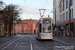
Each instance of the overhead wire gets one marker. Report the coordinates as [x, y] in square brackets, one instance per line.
[50, 12]
[45, 4]
[26, 7]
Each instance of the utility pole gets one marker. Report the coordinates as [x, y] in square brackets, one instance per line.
[69, 20]
[22, 28]
[14, 28]
[55, 17]
[55, 21]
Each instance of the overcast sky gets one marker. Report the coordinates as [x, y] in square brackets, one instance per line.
[30, 8]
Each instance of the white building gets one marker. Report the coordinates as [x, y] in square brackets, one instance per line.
[61, 7]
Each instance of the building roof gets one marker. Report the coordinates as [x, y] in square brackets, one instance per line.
[28, 20]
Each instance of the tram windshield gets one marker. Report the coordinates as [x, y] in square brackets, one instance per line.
[47, 26]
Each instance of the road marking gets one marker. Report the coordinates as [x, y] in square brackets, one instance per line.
[9, 44]
[31, 44]
[47, 46]
[18, 43]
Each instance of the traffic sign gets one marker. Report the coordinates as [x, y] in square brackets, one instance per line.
[62, 26]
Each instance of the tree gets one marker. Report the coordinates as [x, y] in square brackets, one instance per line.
[11, 12]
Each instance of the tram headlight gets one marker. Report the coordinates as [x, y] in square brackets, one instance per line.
[42, 34]
[51, 34]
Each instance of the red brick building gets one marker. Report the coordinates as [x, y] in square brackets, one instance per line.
[36, 27]
[24, 26]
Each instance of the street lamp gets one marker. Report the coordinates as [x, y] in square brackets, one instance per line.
[69, 20]
[31, 25]
[14, 22]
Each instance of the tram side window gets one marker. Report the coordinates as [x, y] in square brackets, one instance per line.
[39, 27]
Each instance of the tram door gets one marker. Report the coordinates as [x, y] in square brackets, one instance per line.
[40, 26]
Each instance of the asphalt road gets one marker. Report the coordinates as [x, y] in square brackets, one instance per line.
[29, 42]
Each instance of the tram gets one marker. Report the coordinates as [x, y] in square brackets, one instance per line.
[44, 28]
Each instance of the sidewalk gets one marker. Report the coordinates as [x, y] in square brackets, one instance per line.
[5, 37]
[64, 37]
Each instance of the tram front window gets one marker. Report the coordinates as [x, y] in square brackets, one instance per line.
[47, 26]
[47, 29]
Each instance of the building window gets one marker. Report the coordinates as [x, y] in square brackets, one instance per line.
[67, 15]
[28, 28]
[71, 14]
[66, 4]
[63, 5]
[64, 17]
[61, 18]
[71, 2]
[57, 21]
[24, 30]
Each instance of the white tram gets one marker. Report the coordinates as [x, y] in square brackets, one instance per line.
[44, 28]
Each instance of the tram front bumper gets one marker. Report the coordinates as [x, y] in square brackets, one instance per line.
[46, 37]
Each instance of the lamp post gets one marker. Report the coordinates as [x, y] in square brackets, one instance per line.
[31, 25]
[55, 23]
[69, 20]
[0, 29]
[14, 22]
[22, 28]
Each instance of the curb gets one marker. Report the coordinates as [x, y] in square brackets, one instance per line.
[66, 38]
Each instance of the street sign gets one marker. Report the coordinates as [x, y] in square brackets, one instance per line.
[55, 28]
[62, 26]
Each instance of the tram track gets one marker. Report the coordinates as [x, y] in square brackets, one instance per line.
[10, 44]
[18, 43]
[47, 46]
[31, 44]
[55, 42]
